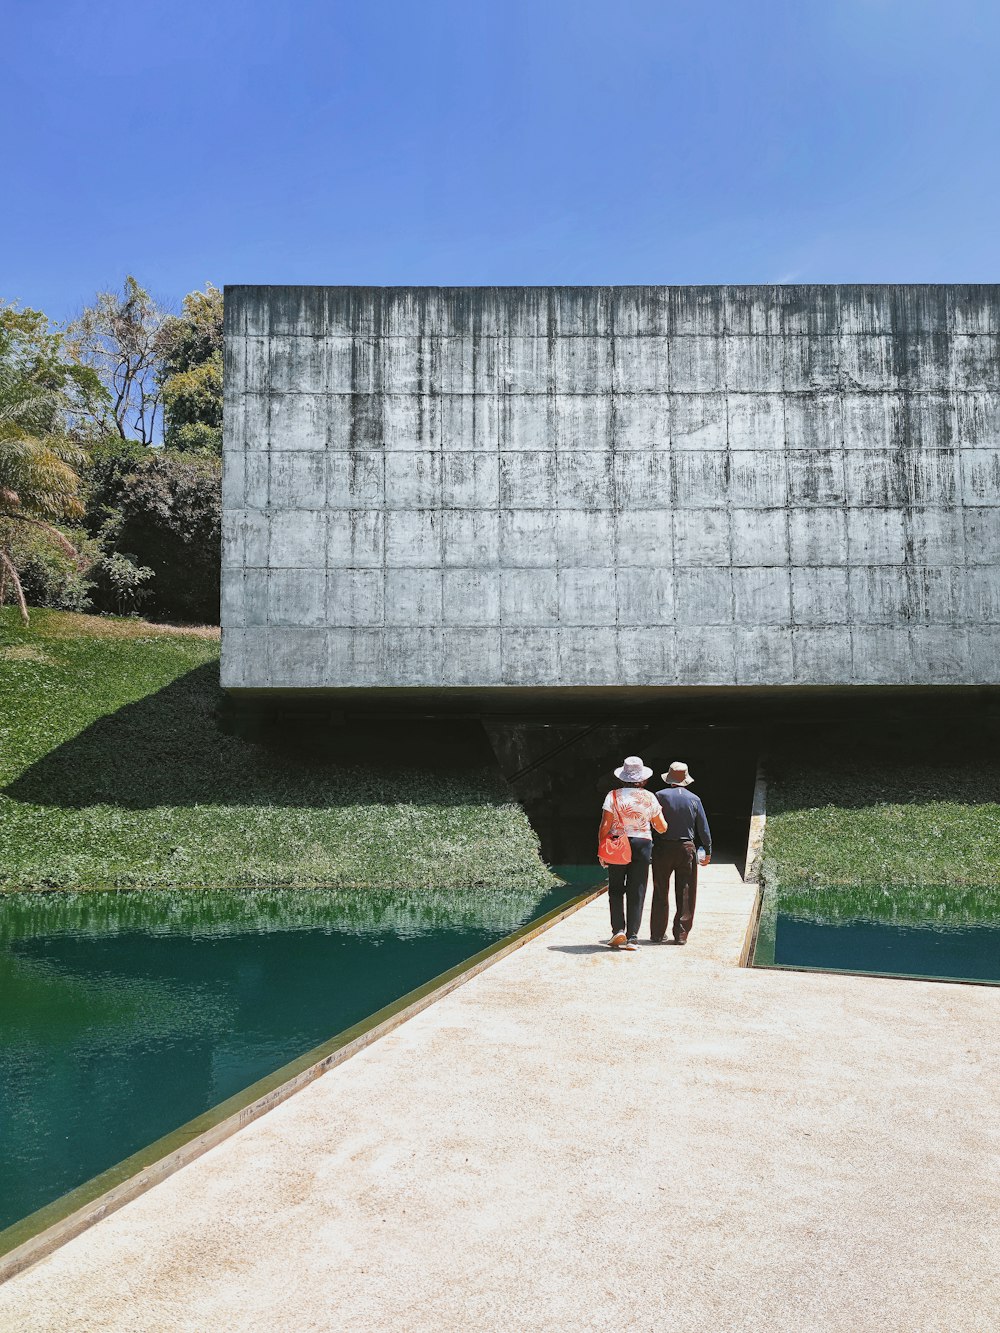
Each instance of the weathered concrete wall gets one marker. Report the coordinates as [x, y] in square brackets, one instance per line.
[611, 486]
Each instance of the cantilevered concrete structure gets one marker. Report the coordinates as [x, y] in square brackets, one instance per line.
[500, 490]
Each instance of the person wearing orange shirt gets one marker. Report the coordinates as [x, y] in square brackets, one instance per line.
[636, 812]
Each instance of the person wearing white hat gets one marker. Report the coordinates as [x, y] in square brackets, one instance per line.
[675, 854]
[634, 811]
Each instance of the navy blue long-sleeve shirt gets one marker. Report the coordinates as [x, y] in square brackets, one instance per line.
[685, 816]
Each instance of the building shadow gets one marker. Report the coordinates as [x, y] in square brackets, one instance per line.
[919, 751]
[562, 772]
[181, 747]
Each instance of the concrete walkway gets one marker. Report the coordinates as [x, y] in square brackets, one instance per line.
[585, 1140]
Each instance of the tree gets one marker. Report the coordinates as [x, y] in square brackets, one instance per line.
[169, 518]
[192, 374]
[43, 398]
[121, 337]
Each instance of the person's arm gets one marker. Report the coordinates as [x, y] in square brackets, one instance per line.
[704, 833]
[658, 822]
[607, 819]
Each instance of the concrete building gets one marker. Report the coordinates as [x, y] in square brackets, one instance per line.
[502, 490]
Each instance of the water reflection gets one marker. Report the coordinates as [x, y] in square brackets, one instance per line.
[945, 932]
[957, 905]
[124, 1015]
[972, 954]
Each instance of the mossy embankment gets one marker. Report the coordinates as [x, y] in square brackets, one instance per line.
[116, 773]
[897, 829]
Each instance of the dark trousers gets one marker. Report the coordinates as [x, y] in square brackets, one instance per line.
[680, 860]
[627, 889]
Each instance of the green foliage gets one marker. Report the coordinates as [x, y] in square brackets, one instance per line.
[149, 511]
[38, 479]
[195, 336]
[169, 518]
[193, 405]
[49, 575]
[41, 395]
[163, 511]
[127, 580]
[104, 476]
[43, 390]
[192, 375]
[114, 773]
[892, 838]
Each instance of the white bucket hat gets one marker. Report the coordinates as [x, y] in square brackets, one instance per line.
[633, 770]
[678, 775]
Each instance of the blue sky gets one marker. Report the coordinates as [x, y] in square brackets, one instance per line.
[468, 141]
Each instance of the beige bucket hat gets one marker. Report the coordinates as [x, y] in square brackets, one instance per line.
[678, 775]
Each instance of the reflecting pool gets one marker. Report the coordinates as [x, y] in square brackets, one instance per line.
[122, 1016]
[934, 933]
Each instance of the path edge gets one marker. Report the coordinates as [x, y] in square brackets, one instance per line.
[758, 821]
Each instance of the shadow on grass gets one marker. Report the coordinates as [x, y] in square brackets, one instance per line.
[172, 749]
[865, 787]
[918, 755]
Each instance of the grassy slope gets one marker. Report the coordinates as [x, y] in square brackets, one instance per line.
[887, 839]
[114, 773]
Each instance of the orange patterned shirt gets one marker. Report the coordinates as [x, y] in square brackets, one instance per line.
[636, 807]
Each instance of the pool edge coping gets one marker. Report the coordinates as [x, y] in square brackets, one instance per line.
[758, 824]
[749, 947]
[42, 1232]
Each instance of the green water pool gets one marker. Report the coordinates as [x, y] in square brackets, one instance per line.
[123, 1016]
[952, 946]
